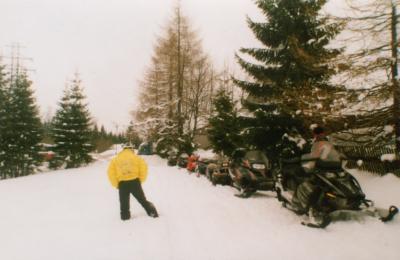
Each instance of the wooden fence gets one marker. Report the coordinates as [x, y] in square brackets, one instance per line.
[368, 158]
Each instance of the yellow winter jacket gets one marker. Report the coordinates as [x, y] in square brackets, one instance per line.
[126, 166]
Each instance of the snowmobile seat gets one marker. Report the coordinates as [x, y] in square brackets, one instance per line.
[329, 165]
[295, 160]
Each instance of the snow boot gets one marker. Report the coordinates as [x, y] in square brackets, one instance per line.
[125, 216]
[152, 212]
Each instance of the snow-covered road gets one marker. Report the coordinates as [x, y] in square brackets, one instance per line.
[74, 214]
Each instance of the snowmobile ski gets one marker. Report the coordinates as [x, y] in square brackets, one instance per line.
[323, 224]
[245, 194]
[393, 210]
[317, 219]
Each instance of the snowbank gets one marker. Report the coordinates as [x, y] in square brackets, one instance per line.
[206, 154]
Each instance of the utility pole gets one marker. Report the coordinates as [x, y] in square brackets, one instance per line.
[16, 62]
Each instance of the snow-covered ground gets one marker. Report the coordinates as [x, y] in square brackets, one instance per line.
[74, 215]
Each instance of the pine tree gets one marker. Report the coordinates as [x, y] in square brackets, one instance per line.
[103, 132]
[3, 118]
[59, 127]
[224, 129]
[292, 72]
[71, 129]
[23, 128]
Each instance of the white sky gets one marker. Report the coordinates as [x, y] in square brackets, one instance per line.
[110, 42]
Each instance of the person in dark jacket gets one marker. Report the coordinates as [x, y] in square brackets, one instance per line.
[322, 151]
[244, 177]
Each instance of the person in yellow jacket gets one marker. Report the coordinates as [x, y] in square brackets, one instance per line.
[126, 172]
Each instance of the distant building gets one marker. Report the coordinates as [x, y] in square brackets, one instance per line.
[201, 139]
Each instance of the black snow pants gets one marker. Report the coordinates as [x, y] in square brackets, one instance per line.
[305, 196]
[133, 187]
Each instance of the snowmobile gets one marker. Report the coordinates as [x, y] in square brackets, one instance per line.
[251, 173]
[145, 148]
[337, 194]
[182, 160]
[218, 172]
[202, 164]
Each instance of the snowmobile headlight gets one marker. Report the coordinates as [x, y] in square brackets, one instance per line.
[330, 195]
[259, 166]
[330, 175]
[342, 174]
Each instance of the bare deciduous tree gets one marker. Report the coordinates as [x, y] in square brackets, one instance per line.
[177, 85]
[369, 69]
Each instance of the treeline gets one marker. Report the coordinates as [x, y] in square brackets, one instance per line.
[311, 68]
[25, 141]
[307, 71]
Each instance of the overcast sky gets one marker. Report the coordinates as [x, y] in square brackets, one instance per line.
[110, 42]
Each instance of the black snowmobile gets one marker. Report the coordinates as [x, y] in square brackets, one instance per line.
[250, 172]
[337, 193]
[172, 158]
[182, 160]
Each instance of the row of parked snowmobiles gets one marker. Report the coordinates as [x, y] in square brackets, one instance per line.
[337, 194]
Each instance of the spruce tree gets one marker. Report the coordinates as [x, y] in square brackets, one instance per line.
[224, 129]
[290, 79]
[59, 127]
[71, 129]
[23, 132]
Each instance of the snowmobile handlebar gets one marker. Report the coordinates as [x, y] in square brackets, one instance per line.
[299, 159]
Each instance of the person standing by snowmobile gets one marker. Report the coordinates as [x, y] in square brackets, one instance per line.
[322, 152]
[244, 176]
[126, 172]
